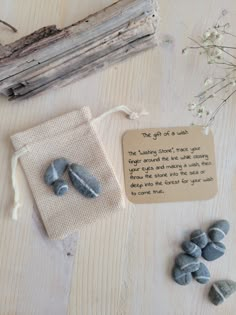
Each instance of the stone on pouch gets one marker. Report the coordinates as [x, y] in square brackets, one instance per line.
[187, 263]
[191, 249]
[199, 237]
[221, 290]
[60, 187]
[202, 275]
[83, 181]
[213, 251]
[181, 277]
[218, 230]
[55, 170]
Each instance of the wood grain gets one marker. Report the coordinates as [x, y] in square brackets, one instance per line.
[52, 57]
[123, 264]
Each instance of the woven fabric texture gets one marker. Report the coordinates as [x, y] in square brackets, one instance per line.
[73, 137]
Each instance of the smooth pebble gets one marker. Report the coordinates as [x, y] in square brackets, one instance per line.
[221, 290]
[191, 249]
[213, 251]
[60, 187]
[181, 277]
[83, 181]
[199, 237]
[187, 263]
[55, 170]
[202, 275]
[218, 230]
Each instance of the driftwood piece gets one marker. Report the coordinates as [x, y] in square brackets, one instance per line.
[52, 57]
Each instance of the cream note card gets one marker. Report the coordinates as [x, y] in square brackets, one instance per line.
[169, 164]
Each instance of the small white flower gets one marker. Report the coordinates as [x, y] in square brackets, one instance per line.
[217, 52]
[233, 82]
[208, 81]
[214, 32]
[214, 35]
[207, 42]
[213, 54]
[211, 60]
[224, 12]
[192, 106]
[201, 110]
[219, 37]
[211, 37]
[206, 35]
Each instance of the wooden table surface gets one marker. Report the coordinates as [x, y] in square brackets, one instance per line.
[122, 264]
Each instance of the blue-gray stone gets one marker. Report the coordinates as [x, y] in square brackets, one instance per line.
[213, 251]
[191, 249]
[83, 181]
[55, 170]
[202, 275]
[180, 276]
[60, 187]
[187, 263]
[221, 290]
[199, 237]
[218, 230]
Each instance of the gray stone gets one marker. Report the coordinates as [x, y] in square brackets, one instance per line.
[55, 170]
[191, 249]
[202, 275]
[218, 230]
[213, 251]
[180, 276]
[60, 187]
[83, 181]
[221, 290]
[200, 238]
[187, 263]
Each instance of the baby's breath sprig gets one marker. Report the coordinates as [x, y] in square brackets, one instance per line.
[211, 45]
[9, 25]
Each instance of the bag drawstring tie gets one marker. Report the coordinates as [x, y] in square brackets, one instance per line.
[122, 108]
[14, 162]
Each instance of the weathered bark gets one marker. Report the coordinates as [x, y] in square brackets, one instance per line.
[51, 57]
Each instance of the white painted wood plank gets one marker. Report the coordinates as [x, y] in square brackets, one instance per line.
[123, 264]
[46, 273]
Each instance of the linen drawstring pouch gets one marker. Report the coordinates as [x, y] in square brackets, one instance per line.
[72, 136]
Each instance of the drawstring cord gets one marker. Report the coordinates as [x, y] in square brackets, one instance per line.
[122, 108]
[14, 162]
